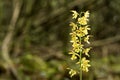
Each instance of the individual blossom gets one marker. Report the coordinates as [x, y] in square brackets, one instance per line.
[74, 37]
[80, 32]
[75, 45]
[86, 39]
[74, 55]
[83, 20]
[85, 64]
[74, 26]
[86, 51]
[85, 30]
[75, 14]
[78, 49]
[72, 72]
[86, 14]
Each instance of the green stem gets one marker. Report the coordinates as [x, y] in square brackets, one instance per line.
[80, 62]
[80, 66]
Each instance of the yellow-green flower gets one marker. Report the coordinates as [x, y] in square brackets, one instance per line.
[78, 47]
[85, 51]
[86, 14]
[80, 32]
[85, 30]
[82, 20]
[74, 37]
[85, 64]
[86, 39]
[75, 45]
[75, 14]
[74, 26]
[72, 72]
[73, 57]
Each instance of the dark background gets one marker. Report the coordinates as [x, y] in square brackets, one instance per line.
[34, 39]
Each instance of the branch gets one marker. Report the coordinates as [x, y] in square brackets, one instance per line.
[8, 38]
[105, 41]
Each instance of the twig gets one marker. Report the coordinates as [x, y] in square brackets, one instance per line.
[105, 41]
[8, 38]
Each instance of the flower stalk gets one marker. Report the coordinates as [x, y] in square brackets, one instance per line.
[79, 36]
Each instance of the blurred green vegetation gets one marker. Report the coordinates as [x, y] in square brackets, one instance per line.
[34, 39]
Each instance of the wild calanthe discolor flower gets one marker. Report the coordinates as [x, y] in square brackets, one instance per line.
[79, 35]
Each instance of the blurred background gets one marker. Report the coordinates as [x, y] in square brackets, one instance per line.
[34, 39]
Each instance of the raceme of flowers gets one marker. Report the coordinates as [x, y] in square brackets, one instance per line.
[79, 36]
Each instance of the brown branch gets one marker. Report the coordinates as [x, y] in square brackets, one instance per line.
[8, 38]
[105, 41]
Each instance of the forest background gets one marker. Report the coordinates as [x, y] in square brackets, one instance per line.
[34, 39]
